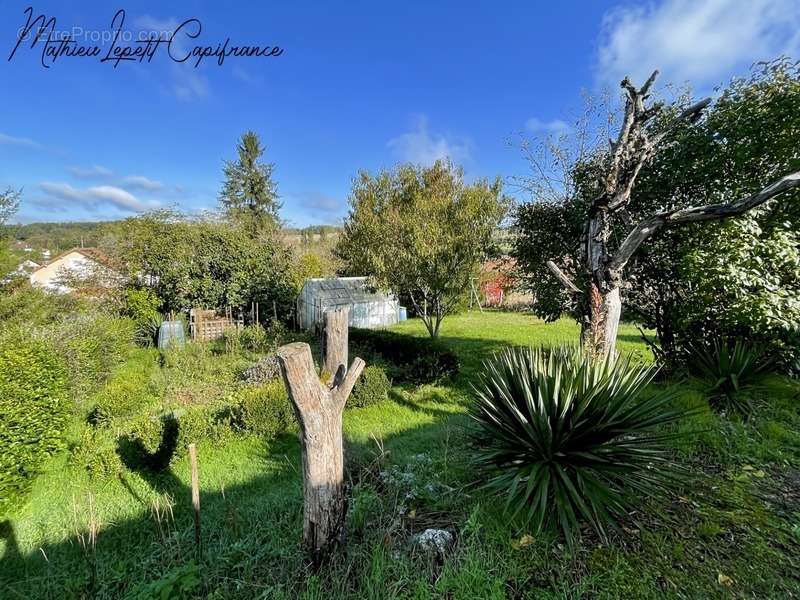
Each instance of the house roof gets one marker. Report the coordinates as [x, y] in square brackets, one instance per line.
[94, 254]
[354, 289]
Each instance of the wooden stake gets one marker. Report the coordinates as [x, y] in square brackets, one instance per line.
[195, 495]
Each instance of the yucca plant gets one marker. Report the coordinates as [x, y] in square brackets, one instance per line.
[729, 368]
[568, 438]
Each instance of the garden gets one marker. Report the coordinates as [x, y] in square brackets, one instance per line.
[633, 432]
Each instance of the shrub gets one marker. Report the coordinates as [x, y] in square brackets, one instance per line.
[264, 409]
[141, 306]
[35, 307]
[406, 359]
[254, 338]
[153, 441]
[34, 409]
[92, 345]
[96, 451]
[728, 368]
[129, 391]
[567, 438]
[371, 388]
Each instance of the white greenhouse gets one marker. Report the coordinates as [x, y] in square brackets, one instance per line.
[369, 308]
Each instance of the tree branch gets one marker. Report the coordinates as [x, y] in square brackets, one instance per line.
[645, 229]
[649, 145]
[342, 392]
[563, 278]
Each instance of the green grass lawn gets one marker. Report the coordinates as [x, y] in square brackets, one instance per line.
[734, 532]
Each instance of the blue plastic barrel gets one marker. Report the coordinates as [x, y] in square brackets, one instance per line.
[171, 335]
[403, 314]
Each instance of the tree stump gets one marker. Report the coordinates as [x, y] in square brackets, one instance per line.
[334, 344]
[319, 411]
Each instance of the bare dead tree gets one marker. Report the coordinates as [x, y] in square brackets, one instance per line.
[318, 407]
[603, 271]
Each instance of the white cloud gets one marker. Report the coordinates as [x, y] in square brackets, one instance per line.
[420, 146]
[703, 42]
[95, 172]
[142, 183]
[10, 140]
[135, 182]
[96, 196]
[149, 24]
[537, 125]
[187, 84]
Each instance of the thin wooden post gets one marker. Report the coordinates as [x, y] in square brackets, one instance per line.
[319, 411]
[195, 495]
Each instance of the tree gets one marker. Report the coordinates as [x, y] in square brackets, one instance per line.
[190, 263]
[9, 203]
[249, 193]
[738, 277]
[609, 237]
[421, 232]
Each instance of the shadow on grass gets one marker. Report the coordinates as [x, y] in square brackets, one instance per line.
[261, 516]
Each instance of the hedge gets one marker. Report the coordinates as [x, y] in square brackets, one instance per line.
[371, 388]
[34, 408]
[406, 359]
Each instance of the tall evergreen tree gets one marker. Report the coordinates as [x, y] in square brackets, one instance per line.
[249, 194]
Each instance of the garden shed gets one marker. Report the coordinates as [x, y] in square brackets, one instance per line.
[369, 308]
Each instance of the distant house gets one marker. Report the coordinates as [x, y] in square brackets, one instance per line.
[89, 266]
[27, 266]
[369, 308]
[23, 270]
[500, 286]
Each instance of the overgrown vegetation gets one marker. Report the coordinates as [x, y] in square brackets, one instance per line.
[409, 464]
[47, 366]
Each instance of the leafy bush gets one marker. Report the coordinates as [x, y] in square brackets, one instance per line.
[34, 409]
[92, 344]
[129, 391]
[406, 359]
[141, 306]
[568, 438]
[254, 338]
[153, 441]
[96, 451]
[35, 307]
[264, 409]
[371, 388]
[728, 368]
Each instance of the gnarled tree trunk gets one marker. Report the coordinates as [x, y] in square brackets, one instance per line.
[319, 411]
[599, 330]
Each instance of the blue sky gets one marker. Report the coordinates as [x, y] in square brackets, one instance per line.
[359, 85]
